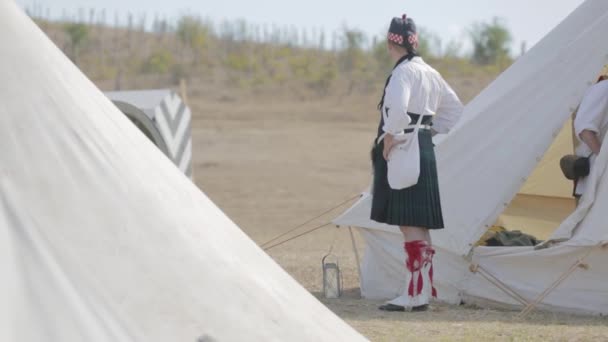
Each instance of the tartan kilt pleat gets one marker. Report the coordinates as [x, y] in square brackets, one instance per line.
[418, 205]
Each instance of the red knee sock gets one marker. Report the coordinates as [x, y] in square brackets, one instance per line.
[419, 254]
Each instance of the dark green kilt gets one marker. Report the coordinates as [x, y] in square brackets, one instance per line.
[418, 205]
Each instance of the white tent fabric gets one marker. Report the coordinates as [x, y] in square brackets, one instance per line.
[37, 285]
[104, 239]
[529, 272]
[480, 172]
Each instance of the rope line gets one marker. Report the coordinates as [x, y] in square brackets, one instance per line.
[308, 221]
[297, 236]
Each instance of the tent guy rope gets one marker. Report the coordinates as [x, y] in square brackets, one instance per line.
[297, 236]
[265, 244]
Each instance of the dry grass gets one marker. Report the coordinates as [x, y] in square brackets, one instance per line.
[466, 323]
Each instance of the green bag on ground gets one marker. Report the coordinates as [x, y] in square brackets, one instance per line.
[512, 238]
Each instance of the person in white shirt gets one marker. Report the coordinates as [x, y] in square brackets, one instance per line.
[591, 125]
[412, 89]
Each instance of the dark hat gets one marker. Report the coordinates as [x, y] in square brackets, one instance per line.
[403, 33]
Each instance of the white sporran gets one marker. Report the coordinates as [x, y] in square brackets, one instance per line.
[403, 162]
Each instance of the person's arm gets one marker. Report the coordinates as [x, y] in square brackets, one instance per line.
[449, 110]
[590, 138]
[396, 103]
[589, 117]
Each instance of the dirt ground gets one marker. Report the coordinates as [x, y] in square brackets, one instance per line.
[271, 166]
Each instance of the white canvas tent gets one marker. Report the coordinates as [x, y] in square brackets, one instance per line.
[481, 172]
[104, 239]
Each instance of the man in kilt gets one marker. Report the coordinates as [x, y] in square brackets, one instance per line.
[412, 89]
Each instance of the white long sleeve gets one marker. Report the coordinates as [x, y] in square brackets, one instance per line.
[417, 88]
[449, 110]
[593, 109]
[592, 115]
[396, 101]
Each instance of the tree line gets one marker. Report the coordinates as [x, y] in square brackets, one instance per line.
[252, 55]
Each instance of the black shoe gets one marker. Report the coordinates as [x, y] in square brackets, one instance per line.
[391, 307]
[420, 308]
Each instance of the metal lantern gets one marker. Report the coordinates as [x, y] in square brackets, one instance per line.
[332, 277]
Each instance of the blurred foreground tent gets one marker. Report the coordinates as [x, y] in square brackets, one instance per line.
[486, 160]
[104, 239]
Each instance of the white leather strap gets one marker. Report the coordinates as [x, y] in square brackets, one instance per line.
[421, 126]
[415, 126]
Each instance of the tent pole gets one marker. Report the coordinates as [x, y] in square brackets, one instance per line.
[579, 263]
[352, 239]
[183, 89]
[574, 139]
[574, 146]
[476, 268]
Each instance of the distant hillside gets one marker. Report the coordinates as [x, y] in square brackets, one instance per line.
[243, 62]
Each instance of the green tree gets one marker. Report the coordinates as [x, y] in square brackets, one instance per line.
[381, 56]
[452, 49]
[193, 33]
[352, 54]
[490, 42]
[160, 62]
[429, 44]
[78, 35]
[322, 80]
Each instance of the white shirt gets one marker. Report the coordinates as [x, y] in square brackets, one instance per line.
[592, 115]
[417, 88]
